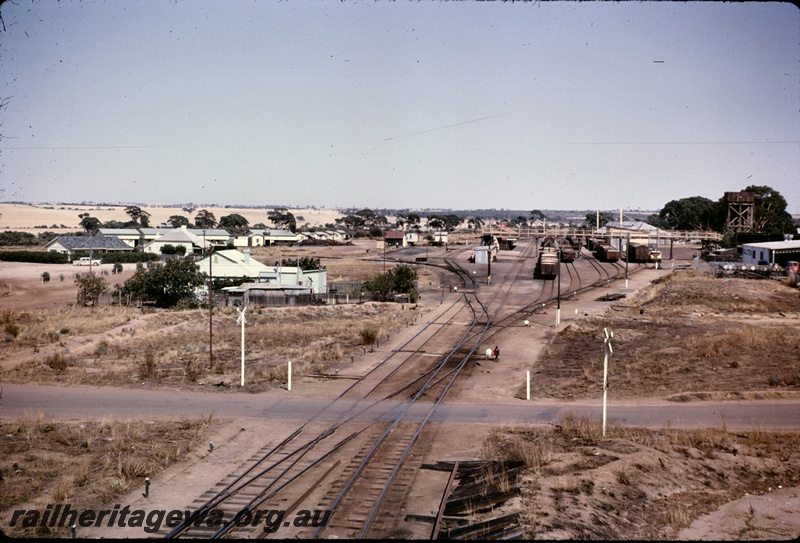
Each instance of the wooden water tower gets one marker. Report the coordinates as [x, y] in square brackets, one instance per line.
[741, 206]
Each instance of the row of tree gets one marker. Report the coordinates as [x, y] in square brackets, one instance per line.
[698, 213]
[693, 213]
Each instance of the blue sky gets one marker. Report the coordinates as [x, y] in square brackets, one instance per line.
[423, 104]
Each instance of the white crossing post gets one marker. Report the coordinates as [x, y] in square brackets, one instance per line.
[241, 320]
[528, 379]
[608, 352]
[289, 381]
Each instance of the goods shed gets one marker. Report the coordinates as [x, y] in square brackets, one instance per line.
[771, 252]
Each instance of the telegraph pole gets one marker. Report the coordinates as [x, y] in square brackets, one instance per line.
[627, 257]
[558, 302]
[489, 264]
[210, 309]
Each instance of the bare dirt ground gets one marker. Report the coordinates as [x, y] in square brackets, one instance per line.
[681, 338]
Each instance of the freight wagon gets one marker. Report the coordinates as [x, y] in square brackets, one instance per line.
[606, 252]
[638, 252]
[546, 264]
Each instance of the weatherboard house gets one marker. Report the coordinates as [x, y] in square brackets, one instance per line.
[232, 264]
[179, 237]
[69, 245]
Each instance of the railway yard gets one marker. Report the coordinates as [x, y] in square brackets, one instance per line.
[423, 435]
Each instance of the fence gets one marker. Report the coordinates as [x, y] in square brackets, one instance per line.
[737, 269]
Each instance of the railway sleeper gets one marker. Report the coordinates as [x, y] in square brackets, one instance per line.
[486, 529]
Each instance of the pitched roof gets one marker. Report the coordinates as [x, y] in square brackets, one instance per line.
[232, 263]
[180, 235]
[80, 243]
[119, 231]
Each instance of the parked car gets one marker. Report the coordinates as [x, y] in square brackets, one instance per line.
[86, 261]
[792, 267]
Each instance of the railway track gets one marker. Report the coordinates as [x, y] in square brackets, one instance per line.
[347, 477]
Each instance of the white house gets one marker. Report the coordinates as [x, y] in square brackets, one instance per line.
[230, 263]
[284, 237]
[130, 236]
[179, 237]
[411, 239]
[69, 245]
[253, 239]
[316, 280]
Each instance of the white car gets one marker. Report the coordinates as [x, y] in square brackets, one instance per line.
[86, 261]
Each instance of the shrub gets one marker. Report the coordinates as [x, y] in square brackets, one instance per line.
[38, 257]
[12, 329]
[57, 362]
[369, 335]
[45, 277]
[149, 366]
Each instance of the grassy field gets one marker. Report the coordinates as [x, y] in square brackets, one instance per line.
[61, 218]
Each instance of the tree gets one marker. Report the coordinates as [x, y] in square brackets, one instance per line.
[476, 223]
[234, 223]
[89, 223]
[176, 221]
[368, 215]
[138, 215]
[205, 219]
[654, 220]
[413, 220]
[165, 284]
[694, 213]
[90, 288]
[435, 222]
[307, 263]
[283, 218]
[447, 222]
[769, 213]
[169, 249]
[398, 280]
[537, 215]
[591, 219]
[353, 221]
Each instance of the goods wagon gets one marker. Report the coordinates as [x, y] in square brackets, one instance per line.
[606, 252]
[575, 242]
[568, 253]
[638, 253]
[547, 263]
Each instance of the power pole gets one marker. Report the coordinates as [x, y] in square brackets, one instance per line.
[210, 309]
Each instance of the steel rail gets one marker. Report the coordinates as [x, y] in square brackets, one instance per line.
[229, 491]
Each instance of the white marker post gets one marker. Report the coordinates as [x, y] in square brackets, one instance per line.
[241, 320]
[608, 352]
[289, 380]
[528, 378]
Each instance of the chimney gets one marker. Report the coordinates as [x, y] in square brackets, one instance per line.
[247, 256]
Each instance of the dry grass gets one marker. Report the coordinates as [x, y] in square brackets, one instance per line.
[669, 335]
[85, 463]
[636, 483]
[27, 217]
[168, 348]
